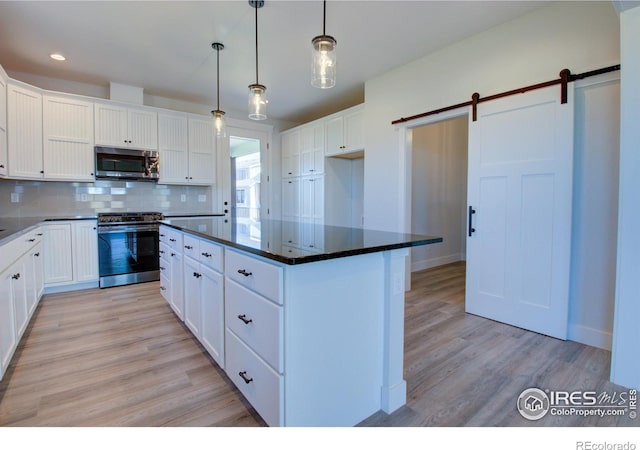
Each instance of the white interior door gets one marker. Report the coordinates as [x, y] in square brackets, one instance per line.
[520, 187]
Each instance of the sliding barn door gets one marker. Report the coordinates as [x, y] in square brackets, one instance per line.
[519, 195]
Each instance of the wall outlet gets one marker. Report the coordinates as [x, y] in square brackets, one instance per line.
[202, 198]
[84, 198]
[183, 198]
[15, 197]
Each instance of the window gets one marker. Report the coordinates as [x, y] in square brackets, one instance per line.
[240, 196]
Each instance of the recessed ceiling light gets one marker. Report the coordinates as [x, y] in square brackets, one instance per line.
[57, 57]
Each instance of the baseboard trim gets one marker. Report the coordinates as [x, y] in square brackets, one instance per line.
[435, 262]
[590, 336]
[54, 289]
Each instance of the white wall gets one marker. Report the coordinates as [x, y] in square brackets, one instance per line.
[530, 49]
[595, 210]
[439, 191]
[343, 195]
[625, 363]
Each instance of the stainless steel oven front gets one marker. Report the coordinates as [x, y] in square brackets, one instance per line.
[128, 253]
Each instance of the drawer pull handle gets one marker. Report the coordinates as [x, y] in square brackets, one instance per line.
[162, 288]
[40, 234]
[32, 240]
[207, 255]
[244, 376]
[15, 277]
[197, 275]
[173, 254]
[162, 252]
[172, 240]
[244, 272]
[188, 247]
[243, 317]
[161, 268]
[36, 254]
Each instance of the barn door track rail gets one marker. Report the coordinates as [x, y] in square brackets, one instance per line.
[566, 77]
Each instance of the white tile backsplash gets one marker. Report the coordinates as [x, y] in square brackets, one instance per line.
[50, 198]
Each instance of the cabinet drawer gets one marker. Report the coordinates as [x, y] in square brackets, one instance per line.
[265, 387]
[191, 246]
[174, 238]
[18, 246]
[165, 287]
[256, 321]
[211, 255]
[165, 266]
[257, 275]
[165, 250]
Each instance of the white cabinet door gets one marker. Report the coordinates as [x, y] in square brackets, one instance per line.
[291, 154]
[3, 125]
[111, 125]
[173, 145]
[212, 308]
[68, 139]
[192, 293]
[142, 128]
[312, 149]
[85, 251]
[19, 279]
[8, 333]
[38, 270]
[354, 131]
[24, 128]
[334, 136]
[520, 194]
[202, 169]
[291, 198]
[58, 259]
[312, 213]
[177, 280]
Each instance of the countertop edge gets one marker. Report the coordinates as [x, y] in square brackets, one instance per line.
[34, 222]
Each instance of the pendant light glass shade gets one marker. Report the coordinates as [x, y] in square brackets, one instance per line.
[219, 126]
[323, 62]
[323, 57]
[257, 92]
[257, 102]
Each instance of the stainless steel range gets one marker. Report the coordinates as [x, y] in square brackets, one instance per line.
[128, 246]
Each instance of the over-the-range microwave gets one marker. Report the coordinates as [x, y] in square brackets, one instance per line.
[126, 164]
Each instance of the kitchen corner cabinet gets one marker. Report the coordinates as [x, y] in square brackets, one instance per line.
[71, 252]
[3, 124]
[345, 131]
[68, 139]
[20, 290]
[126, 126]
[24, 132]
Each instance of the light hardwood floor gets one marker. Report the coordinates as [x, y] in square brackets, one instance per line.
[119, 357]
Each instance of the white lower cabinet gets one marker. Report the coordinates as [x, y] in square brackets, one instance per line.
[20, 290]
[71, 253]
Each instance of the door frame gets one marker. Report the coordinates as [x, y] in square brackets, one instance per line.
[248, 129]
[405, 145]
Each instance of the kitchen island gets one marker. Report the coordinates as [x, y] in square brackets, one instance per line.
[310, 336]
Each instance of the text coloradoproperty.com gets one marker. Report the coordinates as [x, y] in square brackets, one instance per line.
[588, 445]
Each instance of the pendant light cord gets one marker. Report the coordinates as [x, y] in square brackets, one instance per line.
[324, 17]
[256, 7]
[218, 74]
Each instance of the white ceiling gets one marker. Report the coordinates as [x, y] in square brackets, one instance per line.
[165, 47]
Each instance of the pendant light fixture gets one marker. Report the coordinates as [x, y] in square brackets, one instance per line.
[218, 115]
[257, 92]
[323, 57]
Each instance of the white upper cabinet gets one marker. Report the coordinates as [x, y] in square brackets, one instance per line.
[291, 154]
[122, 126]
[312, 149]
[345, 131]
[3, 123]
[24, 131]
[68, 139]
[173, 145]
[202, 168]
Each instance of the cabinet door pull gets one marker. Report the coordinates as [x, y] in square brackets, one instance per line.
[471, 213]
[244, 272]
[172, 240]
[173, 254]
[243, 317]
[36, 254]
[1, 166]
[40, 234]
[15, 276]
[206, 255]
[188, 247]
[162, 288]
[244, 376]
[161, 252]
[197, 275]
[161, 268]
[31, 240]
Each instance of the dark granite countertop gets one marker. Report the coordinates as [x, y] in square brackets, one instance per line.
[13, 227]
[269, 238]
[174, 216]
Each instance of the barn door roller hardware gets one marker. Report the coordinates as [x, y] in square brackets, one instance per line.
[566, 77]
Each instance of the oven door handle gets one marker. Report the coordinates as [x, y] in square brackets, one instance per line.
[105, 229]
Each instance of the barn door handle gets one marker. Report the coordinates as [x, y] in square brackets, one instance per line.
[471, 213]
